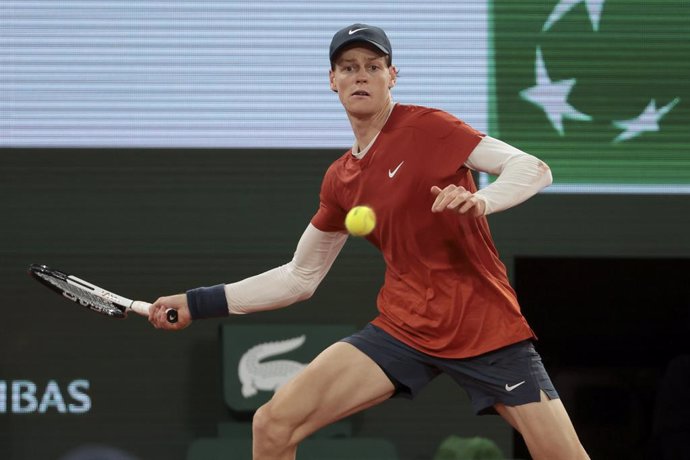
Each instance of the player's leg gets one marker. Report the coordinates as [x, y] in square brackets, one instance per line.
[546, 428]
[340, 381]
[513, 381]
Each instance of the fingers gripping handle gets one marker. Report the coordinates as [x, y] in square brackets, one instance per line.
[142, 308]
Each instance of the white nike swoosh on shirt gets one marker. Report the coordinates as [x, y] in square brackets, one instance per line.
[350, 32]
[392, 173]
[512, 387]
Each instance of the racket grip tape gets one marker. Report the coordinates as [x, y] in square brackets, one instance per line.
[142, 308]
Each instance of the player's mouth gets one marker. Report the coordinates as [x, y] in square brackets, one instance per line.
[361, 93]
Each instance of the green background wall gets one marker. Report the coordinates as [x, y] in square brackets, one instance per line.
[149, 223]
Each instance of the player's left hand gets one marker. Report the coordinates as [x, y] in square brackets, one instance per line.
[457, 199]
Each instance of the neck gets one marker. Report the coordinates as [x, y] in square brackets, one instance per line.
[366, 128]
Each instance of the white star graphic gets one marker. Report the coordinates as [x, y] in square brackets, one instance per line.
[552, 96]
[647, 121]
[594, 8]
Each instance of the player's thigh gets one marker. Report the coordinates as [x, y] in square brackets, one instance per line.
[340, 381]
[546, 428]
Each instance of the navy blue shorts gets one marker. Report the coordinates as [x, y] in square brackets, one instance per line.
[511, 375]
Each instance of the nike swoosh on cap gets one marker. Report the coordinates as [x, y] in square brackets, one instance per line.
[350, 32]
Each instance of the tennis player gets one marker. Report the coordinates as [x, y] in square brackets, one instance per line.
[446, 305]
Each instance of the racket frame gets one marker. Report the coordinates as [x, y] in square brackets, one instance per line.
[121, 305]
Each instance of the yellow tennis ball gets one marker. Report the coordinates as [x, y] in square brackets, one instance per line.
[360, 221]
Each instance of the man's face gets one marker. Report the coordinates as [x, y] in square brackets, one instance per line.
[363, 80]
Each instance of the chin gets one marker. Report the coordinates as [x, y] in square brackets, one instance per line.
[361, 107]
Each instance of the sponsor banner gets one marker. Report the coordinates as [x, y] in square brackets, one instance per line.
[259, 359]
[23, 396]
[598, 89]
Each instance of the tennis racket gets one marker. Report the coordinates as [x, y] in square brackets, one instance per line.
[90, 296]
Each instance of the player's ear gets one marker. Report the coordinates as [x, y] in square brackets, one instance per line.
[394, 75]
[331, 80]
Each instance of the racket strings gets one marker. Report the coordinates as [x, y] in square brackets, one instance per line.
[83, 297]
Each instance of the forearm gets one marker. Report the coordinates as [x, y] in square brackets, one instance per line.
[276, 288]
[273, 289]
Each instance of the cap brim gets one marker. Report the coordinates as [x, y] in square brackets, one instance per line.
[356, 40]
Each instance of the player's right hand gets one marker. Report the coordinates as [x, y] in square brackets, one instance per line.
[178, 302]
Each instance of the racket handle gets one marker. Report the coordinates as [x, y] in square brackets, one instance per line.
[142, 308]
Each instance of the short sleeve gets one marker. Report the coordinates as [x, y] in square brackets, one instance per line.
[330, 217]
[457, 140]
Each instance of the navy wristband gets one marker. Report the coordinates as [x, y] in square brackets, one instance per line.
[207, 302]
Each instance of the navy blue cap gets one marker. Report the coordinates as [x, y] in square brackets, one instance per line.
[360, 33]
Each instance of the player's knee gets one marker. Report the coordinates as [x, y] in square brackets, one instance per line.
[270, 430]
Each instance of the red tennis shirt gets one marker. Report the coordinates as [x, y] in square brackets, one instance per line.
[446, 293]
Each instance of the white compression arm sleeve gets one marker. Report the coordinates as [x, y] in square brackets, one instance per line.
[520, 175]
[292, 282]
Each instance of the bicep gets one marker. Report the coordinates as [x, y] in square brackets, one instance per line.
[316, 251]
[492, 155]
